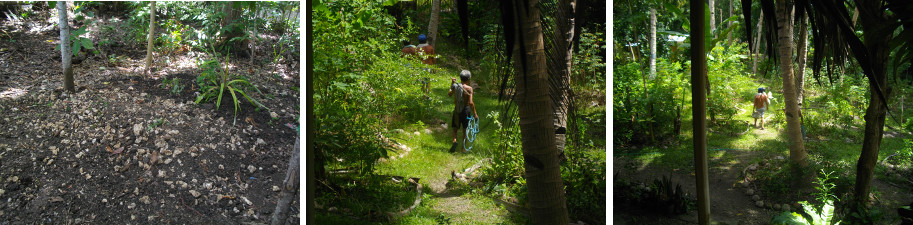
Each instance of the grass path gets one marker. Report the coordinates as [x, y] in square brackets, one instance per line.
[430, 160]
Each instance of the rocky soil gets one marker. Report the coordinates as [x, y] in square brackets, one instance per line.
[123, 150]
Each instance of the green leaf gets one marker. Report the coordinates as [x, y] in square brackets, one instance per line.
[76, 47]
[86, 43]
[52, 4]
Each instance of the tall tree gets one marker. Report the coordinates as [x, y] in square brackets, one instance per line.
[151, 35]
[699, 109]
[712, 18]
[66, 56]
[433, 21]
[545, 187]
[802, 48]
[757, 46]
[561, 51]
[652, 43]
[797, 152]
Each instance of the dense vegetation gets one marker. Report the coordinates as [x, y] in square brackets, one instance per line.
[652, 113]
[373, 120]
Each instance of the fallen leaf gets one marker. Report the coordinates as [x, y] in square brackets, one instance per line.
[108, 148]
[154, 158]
[118, 151]
[250, 120]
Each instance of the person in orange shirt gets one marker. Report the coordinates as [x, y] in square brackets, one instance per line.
[427, 55]
[761, 101]
[408, 48]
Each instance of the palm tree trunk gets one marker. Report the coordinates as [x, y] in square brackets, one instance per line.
[151, 36]
[66, 56]
[432, 24]
[544, 185]
[797, 152]
[564, 38]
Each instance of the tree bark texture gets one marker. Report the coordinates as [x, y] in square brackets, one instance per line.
[289, 187]
[66, 55]
[699, 110]
[151, 37]
[652, 43]
[757, 46]
[802, 48]
[797, 152]
[877, 38]
[433, 22]
[712, 19]
[544, 184]
[560, 74]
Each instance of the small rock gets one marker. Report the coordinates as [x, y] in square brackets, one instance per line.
[260, 141]
[274, 115]
[749, 191]
[104, 200]
[759, 204]
[251, 168]
[246, 200]
[196, 194]
[275, 188]
[332, 209]
[427, 131]
[207, 185]
[145, 200]
[4, 191]
[137, 129]
[756, 197]
[753, 167]
[776, 206]
[131, 206]
[785, 207]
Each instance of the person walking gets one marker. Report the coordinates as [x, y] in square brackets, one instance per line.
[462, 105]
[761, 101]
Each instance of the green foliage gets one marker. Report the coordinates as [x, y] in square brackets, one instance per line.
[77, 41]
[361, 81]
[505, 171]
[584, 177]
[173, 85]
[814, 215]
[730, 87]
[654, 106]
[214, 83]
[589, 63]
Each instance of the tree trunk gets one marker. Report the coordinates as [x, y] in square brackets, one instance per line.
[231, 14]
[699, 110]
[151, 35]
[803, 49]
[877, 39]
[544, 185]
[757, 46]
[729, 36]
[563, 36]
[66, 55]
[433, 22]
[652, 43]
[712, 19]
[797, 152]
[289, 187]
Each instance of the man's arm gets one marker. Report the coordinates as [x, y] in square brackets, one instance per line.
[452, 80]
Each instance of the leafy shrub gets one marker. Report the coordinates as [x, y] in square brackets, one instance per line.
[173, 85]
[589, 64]
[645, 111]
[584, 178]
[816, 215]
[505, 172]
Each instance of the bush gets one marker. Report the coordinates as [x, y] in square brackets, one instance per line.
[214, 83]
[584, 178]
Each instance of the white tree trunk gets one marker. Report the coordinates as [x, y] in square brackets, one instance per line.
[151, 35]
[652, 43]
[66, 54]
[757, 46]
[712, 19]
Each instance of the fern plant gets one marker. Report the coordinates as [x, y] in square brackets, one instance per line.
[813, 215]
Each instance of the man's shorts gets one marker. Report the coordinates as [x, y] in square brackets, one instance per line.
[461, 118]
[759, 113]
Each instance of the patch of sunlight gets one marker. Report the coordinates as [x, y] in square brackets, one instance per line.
[13, 93]
[647, 159]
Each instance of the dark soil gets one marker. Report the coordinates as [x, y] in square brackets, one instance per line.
[124, 149]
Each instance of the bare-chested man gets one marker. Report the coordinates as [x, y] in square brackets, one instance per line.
[462, 104]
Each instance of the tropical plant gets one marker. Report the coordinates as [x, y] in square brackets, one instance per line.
[215, 81]
[814, 215]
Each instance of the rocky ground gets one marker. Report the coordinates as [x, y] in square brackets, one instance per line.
[124, 150]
